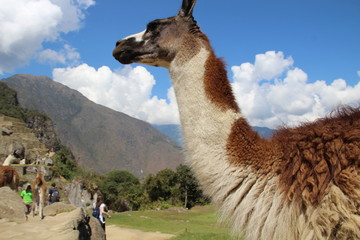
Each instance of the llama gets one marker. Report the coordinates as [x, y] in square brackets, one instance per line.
[11, 159]
[9, 177]
[303, 183]
[39, 194]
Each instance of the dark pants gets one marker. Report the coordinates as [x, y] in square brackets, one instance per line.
[103, 225]
[28, 207]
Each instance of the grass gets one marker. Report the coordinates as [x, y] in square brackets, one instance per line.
[199, 223]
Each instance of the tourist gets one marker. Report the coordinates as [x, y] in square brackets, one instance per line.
[102, 208]
[54, 195]
[27, 199]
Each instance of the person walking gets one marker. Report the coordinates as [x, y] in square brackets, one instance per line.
[101, 207]
[26, 195]
[54, 195]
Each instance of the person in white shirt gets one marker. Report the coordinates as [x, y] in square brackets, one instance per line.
[102, 206]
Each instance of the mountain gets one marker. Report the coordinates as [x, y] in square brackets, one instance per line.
[173, 131]
[264, 131]
[100, 138]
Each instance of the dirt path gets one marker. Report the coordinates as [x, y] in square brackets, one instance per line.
[36, 229]
[115, 233]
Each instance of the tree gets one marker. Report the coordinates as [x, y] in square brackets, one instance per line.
[190, 192]
[65, 165]
[161, 186]
[120, 177]
[121, 190]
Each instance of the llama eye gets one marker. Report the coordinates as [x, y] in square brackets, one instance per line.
[151, 26]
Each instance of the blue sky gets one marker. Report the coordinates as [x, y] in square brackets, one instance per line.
[288, 61]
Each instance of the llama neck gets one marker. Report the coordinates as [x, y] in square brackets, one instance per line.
[206, 115]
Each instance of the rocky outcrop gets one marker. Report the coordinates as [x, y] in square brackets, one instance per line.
[79, 226]
[5, 131]
[44, 130]
[87, 226]
[22, 146]
[22, 143]
[57, 208]
[78, 195]
[12, 207]
[61, 222]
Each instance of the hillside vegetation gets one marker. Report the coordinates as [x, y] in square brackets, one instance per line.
[9, 105]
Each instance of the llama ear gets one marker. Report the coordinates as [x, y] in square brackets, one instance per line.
[187, 8]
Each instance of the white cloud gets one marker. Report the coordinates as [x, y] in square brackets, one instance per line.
[269, 100]
[127, 90]
[271, 64]
[26, 24]
[68, 55]
[85, 3]
[72, 13]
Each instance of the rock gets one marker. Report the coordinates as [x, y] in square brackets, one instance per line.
[17, 149]
[74, 225]
[78, 195]
[123, 206]
[97, 230]
[47, 172]
[22, 143]
[31, 169]
[57, 208]
[11, 206]
[44, 130]
[48, 162]
[6, 132]
[44, 161]
[86, 226]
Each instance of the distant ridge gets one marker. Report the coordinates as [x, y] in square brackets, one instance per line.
[173, 131]
[100, 138]
[264, 131]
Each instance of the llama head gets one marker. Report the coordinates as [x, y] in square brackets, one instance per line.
[159, 44]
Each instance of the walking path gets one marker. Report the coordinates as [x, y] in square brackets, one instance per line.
[36, 229]
[114, 233]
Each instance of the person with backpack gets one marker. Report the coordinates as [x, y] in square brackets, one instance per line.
[99, 211]
[54, 195]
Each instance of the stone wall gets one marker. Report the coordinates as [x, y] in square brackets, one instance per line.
[19, 135]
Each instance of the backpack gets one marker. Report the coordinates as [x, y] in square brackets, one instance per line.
[55, 195]
[96, 213]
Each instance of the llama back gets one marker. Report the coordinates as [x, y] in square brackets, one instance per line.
[313, 192]
[9, 177]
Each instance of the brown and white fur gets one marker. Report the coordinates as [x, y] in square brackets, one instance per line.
[39, 194]
[303, 183]
[9, 177]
